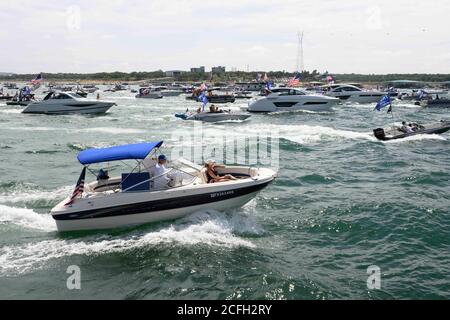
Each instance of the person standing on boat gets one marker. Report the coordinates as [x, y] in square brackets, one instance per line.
[161, 181]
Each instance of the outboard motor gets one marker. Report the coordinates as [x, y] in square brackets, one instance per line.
[379, 133]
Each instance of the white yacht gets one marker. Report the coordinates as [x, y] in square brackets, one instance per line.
[149, 93]
[292, 99]
[170, 91]
[351, 93]
[142, 196]
[68, 103]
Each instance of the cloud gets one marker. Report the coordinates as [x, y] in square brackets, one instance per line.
[110, 35]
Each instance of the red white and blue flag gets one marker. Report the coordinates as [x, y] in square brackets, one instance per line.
[37, 80]
[330, 79]
[79, 188]
[295, 81]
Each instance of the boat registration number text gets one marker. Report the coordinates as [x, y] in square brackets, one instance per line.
[222, 194]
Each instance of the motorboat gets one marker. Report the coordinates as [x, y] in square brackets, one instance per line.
[90, 88]
[140, 196]
[6, 97]
[350, 93]
[292, 99]
[396, 132]
[213, 98]
[436, 103]
[213, 116]
[170, 92]
[68, 103]
[242, 94]
[149, 93]
[11, 86]
[117, 87]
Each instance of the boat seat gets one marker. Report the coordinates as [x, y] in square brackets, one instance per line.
[203, 176]
[132, 182]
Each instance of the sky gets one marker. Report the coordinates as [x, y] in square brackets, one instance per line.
[340, 36]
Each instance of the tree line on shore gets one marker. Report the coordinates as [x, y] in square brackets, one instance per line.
[306, 76]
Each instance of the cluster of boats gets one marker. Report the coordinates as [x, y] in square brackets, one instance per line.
[137, 196]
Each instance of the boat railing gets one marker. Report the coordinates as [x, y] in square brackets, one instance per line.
[152, 179]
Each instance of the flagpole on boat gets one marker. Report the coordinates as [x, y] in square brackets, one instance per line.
[391, 111]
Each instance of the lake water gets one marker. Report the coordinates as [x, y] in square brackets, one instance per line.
[342, 202]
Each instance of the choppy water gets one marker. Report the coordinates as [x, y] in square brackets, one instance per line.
[343, 201]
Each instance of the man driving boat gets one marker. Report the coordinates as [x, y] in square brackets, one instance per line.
[159, 172]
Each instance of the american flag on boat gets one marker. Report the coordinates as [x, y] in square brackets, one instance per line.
[79, 188]
[295, 81]
[37, 80]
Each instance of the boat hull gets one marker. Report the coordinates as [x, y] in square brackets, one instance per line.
[150, 96]
[128, 211]
[390, 134]
[215, 117]
[93, 107]
[148, 217]
[289, 104]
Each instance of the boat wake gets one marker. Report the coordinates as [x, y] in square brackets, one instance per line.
[305, 134]
[112, 130]
[30, 195]
[26, 218]
[203, 228]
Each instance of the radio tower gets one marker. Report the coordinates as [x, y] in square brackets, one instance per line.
[300, 62]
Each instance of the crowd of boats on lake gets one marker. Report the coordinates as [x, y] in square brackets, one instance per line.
[153, 192]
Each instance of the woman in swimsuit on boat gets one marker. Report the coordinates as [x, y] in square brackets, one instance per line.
[213, 176]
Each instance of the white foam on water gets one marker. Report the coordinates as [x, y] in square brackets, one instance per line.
[27, 218]
[112, 130]
[210, 229]
[309, 134]
[34, 128]
[27, 194]
[11, 111]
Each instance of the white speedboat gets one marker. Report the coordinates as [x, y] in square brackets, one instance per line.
[149, 93]
[170, 91]
[90, 88]
[68, 103]
[291, 99]
[350, 93]
[139, 197]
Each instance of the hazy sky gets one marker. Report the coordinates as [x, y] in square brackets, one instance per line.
[342, 36]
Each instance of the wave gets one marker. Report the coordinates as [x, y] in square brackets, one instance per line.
[30, 194]
[112, 130]
[204, 228]
[304, 134]
[26, 218]
[11, 111]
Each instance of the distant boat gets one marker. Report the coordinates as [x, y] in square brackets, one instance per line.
[292, 99]
[350, 93]
[397, 132]
[214, 98]
[213, 116]
[68, 103]
[149, 93]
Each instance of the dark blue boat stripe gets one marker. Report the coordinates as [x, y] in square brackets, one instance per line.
[163, 204]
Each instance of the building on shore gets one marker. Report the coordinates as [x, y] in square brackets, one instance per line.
[218, 70]
[198, 70]
[174, 73]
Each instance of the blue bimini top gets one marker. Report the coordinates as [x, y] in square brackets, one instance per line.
[126, 152]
